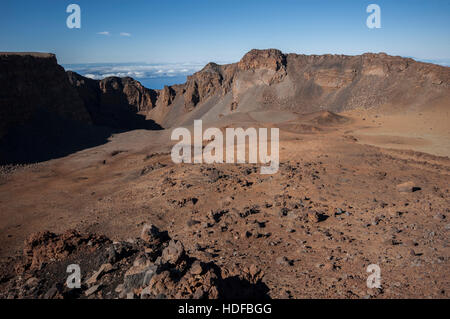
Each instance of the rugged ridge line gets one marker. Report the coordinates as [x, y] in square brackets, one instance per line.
[269, 79]
[44, 109]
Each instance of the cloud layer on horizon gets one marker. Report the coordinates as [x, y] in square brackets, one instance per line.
[134, 70]
[444, 62]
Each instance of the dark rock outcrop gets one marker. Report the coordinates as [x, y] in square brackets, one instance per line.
[119, 103]
[31, 83]
[47, 113]
[41, 114]
[152, 267]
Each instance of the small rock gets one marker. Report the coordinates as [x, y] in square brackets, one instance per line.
[119, 288]
[32, 282]
[283, 261]
[316, 217]
[91, 290]
[196, 268]
[199, 293]
[51, 293]
[408, 187]
[172, 253]
[111, 254]
[339, 211]
[141, 261]
[376, 221]
[150, 233]
[284, 212]
[105, 268]
[138, 276]
[192, 222]
[122, 294]
[146, 293]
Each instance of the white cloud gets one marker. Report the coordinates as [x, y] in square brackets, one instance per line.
[135, 70]
[125, 34]
[103, 33]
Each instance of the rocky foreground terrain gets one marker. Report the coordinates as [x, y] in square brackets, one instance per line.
[153, 266]
[363, 179]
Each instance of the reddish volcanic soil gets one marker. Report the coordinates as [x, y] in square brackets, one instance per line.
[313, 228]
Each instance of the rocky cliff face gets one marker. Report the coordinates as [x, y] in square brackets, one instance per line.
[115, 102]
[212, 79]
[47, 113]
[263, 79]
[41, 115]
[31, 83]
[46, 110]
[269, 79]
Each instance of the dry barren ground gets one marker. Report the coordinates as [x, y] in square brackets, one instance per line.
[313, 228]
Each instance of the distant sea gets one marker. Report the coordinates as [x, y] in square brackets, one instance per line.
[152, 76]
[159, 83]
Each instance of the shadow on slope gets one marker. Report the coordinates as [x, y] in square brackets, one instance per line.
[48, 136]
[121, 116]
[115, 102]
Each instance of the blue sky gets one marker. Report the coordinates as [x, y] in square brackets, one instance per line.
[222, 31]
